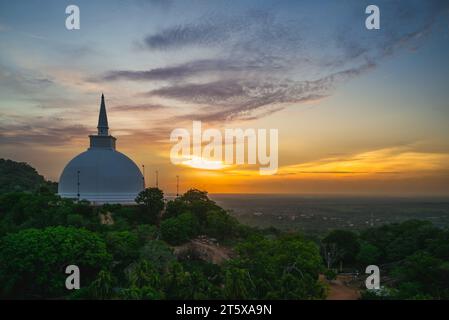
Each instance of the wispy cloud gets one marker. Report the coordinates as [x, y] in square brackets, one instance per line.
[22, 82]
[266, 62]
[211, 30]
[50, 135]
[238, 99]
[191, 69]
[139, 107]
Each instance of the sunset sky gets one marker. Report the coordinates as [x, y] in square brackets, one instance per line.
[358, 111]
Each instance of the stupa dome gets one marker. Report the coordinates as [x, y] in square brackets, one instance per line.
[101, 174]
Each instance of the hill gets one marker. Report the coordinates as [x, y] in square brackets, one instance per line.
[20, 176]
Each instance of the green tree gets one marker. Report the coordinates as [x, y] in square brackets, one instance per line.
[399, 240]
[346, 243]
[238, 284]
[158, 253]
[410, 236]
[146, 232]
[102, 287]
[220, 225]
[368, 254]
[123, 245]
[34, 261]
[181, 284]
[194, 201]
[174, 208]
[194, 195]
[423, 274]
[144, 281]
[271, 264]
[33, 210]
[143, 273]
[179, 229]
[19, 176]
[151, 200]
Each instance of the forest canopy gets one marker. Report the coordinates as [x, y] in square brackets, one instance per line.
[191, 248]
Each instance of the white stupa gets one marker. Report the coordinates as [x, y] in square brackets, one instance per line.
[101, 174]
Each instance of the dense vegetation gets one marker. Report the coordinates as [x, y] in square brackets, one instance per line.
[127, 252]
[19, 176]
[413, 258]
[134, 252]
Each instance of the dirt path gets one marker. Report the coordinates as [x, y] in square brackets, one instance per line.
[339, 290]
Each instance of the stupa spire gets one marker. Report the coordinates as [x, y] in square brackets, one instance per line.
[103, 128]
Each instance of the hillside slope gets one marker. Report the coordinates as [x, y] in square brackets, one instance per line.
[20, 176]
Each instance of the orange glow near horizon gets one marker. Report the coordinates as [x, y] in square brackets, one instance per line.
[394, 170]
[383, 161]
[202, 163]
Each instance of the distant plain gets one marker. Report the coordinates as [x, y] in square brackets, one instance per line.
[319, 214]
